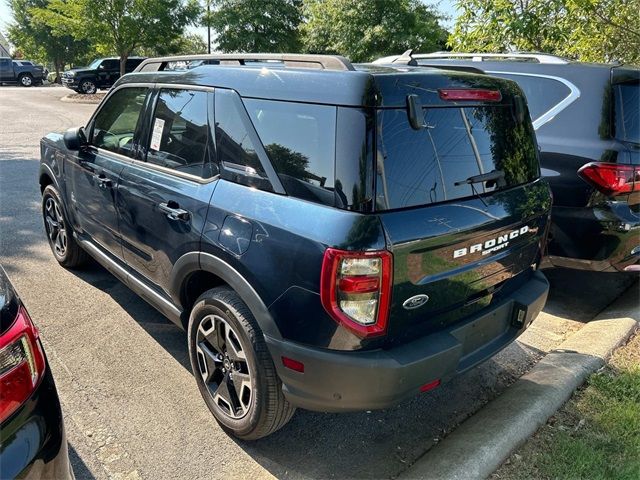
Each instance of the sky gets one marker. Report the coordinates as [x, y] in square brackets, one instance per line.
[446, 7]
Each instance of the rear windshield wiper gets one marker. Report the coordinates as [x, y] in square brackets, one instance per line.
[496, 176]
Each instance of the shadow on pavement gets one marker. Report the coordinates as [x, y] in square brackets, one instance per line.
[80, 470]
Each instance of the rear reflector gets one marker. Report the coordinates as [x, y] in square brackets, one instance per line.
[355, 289]
[611, 178]
[470, 94]
[292, 364]
[430, 386]
[21, 364]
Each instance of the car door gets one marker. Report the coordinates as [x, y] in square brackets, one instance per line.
[108, 72]
[164, 196]
[93, 172]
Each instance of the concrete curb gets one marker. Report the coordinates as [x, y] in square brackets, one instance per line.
[479, 446]
[70, 98]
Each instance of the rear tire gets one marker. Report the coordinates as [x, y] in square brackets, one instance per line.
[233, 368]
[59, 233]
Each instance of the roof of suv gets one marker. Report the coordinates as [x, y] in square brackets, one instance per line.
[341, 83]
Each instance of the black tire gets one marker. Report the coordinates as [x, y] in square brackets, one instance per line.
[59, 233]
[87, 86]
[25, 80]
[266, 408]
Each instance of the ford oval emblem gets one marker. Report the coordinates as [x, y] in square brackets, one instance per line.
[415, 302]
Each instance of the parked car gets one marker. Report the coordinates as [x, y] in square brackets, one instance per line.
[100, 74]
[587, 121]
[32, 439]
[332, 236]
[23, 73]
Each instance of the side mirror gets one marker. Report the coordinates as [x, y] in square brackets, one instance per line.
[75, 138]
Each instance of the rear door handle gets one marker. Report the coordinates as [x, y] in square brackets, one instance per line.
[103, 181]
[174, 212]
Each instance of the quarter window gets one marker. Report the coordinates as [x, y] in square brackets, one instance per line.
[115, 124]
[542, 93]
[300, 142]
[180, 133]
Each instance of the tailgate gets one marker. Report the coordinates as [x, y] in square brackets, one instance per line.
[451, 260]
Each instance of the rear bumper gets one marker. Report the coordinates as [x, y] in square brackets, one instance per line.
[604, 238]
[349, 381]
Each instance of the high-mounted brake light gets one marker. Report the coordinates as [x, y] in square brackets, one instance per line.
[355, 289]
[612, 178]
[21, 364]
[470, 94]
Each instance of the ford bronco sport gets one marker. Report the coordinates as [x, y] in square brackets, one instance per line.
[332, 236]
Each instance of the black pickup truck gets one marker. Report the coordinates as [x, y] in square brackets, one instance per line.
[101, 73]
[23, 73]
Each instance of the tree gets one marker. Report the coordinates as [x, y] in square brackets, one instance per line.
[588, 30]
[365, 29]
[256, 25]
[189, 43]
[37, 41]
[121, 26]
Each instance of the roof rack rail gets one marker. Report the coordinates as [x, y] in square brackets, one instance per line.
[321, 62]
[408, 59]
[480, 57]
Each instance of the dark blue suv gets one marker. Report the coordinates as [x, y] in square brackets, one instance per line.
[334, 237]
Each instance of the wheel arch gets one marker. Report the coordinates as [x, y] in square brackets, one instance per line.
[46, 177]
[196, 272]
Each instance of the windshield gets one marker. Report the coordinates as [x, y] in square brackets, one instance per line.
[431, 165]
[96, 63]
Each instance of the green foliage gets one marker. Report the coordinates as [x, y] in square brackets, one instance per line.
[120, 26]
[189, 43]
[587, 30]
[36, 40]
[365, 29]
[256, 25]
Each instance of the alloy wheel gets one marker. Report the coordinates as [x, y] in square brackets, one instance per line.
[54, 223]
[88, 87]
[223, 366]
[26, 81]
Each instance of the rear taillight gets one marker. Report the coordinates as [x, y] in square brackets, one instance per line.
[611, 178]
[470, 94]
[355, 288]
[21, 364]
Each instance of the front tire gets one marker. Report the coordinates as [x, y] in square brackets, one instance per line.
[59, 233]
[88, 87]
[233, 368]
[25, 80]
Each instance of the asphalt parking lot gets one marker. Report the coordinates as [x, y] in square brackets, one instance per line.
[132, 408]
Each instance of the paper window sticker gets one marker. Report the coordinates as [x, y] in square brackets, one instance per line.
[156, 137]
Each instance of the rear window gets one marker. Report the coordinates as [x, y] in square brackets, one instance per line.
[627, 112]
[422, 167]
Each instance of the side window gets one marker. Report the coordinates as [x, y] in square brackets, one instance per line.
[236, 142]
[110, 65]
[542, 93]
[627, 112]
[180, 132]
[5, 63]
[115, 124]
[132, 63]
[300, 142]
